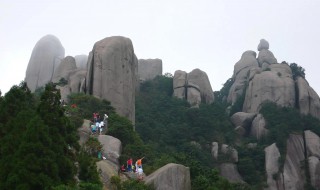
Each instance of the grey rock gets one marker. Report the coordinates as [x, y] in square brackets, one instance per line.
[77, 80]
[275, 86]
[258, 127]
[252, 145]
[81, 61]
[45, 58]
[312, 143]
[111, 147]
[240, 130]
[230, 172]
[215, 150]
[309, 101]
[264, 44]
[111, 74]
[294, 177]
[194, 95]
[266, 56]
[194, 87]
[242, 70]
[200, 78]
[64, 92]
[230, 151]
[67, 65]
[243, 119]
[314, 169]
[149, 68]
[171, 176]
[179, 84]
[106, 170]
[272, 156]
[84, 132]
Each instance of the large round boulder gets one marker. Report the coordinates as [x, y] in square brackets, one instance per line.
[111, 147]
[264, 44]
[67, 65]
[170, 176]
[45, 58]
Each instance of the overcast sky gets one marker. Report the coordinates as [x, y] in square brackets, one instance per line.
[186, 34]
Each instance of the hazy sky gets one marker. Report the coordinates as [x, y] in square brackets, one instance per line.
[186, 34]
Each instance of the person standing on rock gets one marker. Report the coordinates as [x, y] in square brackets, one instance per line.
[94, 117]
[139, 163]
[129, 164]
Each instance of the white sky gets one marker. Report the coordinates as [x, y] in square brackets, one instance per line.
[207, 34]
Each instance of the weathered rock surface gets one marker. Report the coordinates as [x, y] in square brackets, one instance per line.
[293, 173]
[231, 152]
[314, 169]
[200, 78]
[243, 119]
[67, 65]
[106, 170]
[258, 127]
[215, 150]
[111, 74]
[171, 176]
[241, 72]
[266, 56]
[77, 80]
[309, 101]
[230, 172]
[272, 156]
[81, 61]
[194, 87]
[312, 143]
[275, 86]
[111, 147]
[84, 132]
[179, 84]
[149, 68]
[64, 92]
[264, 44]
[45, 58]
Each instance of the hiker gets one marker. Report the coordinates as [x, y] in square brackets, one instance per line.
[93, 128]
[94, 117]
[129, 164]
[105, 120]
[98, 117]
[139, 163]
[123, 169]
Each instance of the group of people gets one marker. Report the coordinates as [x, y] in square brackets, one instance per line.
[137, 168]
[98, 124]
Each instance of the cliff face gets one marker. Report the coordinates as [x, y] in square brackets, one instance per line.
[111, 74]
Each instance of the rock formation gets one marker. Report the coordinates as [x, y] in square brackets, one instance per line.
[243, 119]
[215, 150]
[67, 65]
[231, 152]
[272, 155]
[81, 61]
[265, 56]
[194, 87]
[111, 74]
[170, 176]
[84, 132]
[149, 68]
[264, 44]
[45, 58]
[309, 101]
[274, 85]
[106, 170]
[240, 76]
[230, 172]
[258, 127]
[111, 147]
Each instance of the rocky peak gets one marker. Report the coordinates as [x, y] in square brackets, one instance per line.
[195, 87]
[264, 44]
[45, 58]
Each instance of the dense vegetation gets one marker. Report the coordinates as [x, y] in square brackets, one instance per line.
[180, 134]
[38, 143]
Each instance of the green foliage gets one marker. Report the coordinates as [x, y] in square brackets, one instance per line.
[221, 96]
[87, 105]
[179, 134]
[297, 71]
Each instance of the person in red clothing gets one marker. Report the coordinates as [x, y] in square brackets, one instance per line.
[129, 165]
[123, 169]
